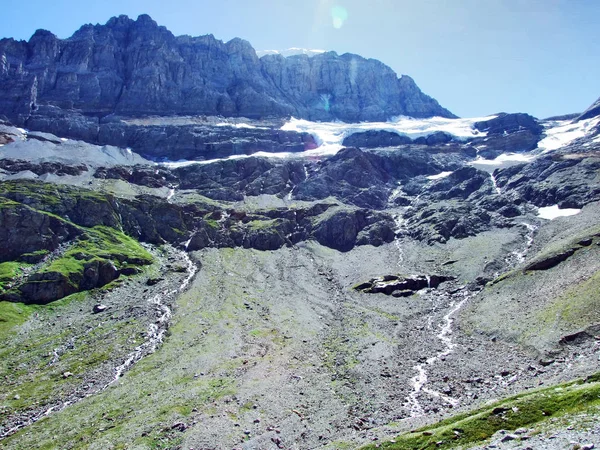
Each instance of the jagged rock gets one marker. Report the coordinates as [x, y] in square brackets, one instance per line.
[494, 145]
[438, 222]
[153, 281]
[179, 426]
[460, 184]
[202, 142]
[437, 138]
[6, 138]
[399, 286]
[508, 123]
[579, 337]
[509, 437]
[25, 230]
[402, 293]
[46, 287]
[366, 179]
[339, 229]
[565, 179]
[144, 176]
[12, 166]
[508, 133]
[107, 71]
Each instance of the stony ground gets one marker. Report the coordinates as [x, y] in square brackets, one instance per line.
[78, 346]
[273, 349]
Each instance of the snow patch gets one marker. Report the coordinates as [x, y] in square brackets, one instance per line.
[560, 133]
[239, 125]
[502, 161]
[553, 212]
[293, 51]
[439, 176]
[330, 135]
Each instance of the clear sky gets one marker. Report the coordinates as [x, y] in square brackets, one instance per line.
[476, 57]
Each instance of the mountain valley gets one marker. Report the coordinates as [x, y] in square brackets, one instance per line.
[204, 249]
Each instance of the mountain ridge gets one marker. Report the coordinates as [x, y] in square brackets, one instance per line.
[138, 68]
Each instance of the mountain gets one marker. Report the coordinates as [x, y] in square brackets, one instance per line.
[134, 68]
[592, 111]
[188, 281]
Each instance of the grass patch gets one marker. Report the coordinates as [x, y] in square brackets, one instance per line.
[102, 243]
[13, 314]
[522, 410]
[9, 271]
[263, 224]
[578, 306]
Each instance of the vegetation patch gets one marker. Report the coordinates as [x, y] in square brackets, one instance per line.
[8, 272]
[522, 410]
[11, 315]
[96, 258]
[101, 243]
[578, 306]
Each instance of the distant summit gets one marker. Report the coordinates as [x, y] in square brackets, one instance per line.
[137, 68]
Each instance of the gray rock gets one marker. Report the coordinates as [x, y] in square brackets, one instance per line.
[99, 308]
[137, 68]
[592, 111]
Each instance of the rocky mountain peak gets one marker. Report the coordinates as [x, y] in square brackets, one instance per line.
[137, 68]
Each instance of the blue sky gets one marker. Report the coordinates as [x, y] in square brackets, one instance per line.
[476, 57]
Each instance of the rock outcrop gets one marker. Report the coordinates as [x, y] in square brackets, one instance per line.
[401, 286]
[508, 133]
[592, 111]
[137, 68]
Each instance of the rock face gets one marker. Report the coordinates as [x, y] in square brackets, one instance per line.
[567, 180]
[508, 133]
[137, 68]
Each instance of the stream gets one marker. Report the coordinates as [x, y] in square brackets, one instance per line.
[419, 381]
[453, 304]
[154, 338]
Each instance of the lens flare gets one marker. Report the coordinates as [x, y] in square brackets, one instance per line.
[339, 14]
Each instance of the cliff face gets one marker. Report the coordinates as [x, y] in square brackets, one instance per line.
[138, 68]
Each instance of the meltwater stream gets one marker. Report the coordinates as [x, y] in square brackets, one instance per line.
[156, 330]
[419, 381]
[456, 302]
[154, 338]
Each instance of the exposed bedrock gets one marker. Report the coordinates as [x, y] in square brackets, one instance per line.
[137, 68]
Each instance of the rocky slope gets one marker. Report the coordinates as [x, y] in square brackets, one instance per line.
[310, 288]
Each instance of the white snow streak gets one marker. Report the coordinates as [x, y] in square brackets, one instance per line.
[439, 176]
[560, 133]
